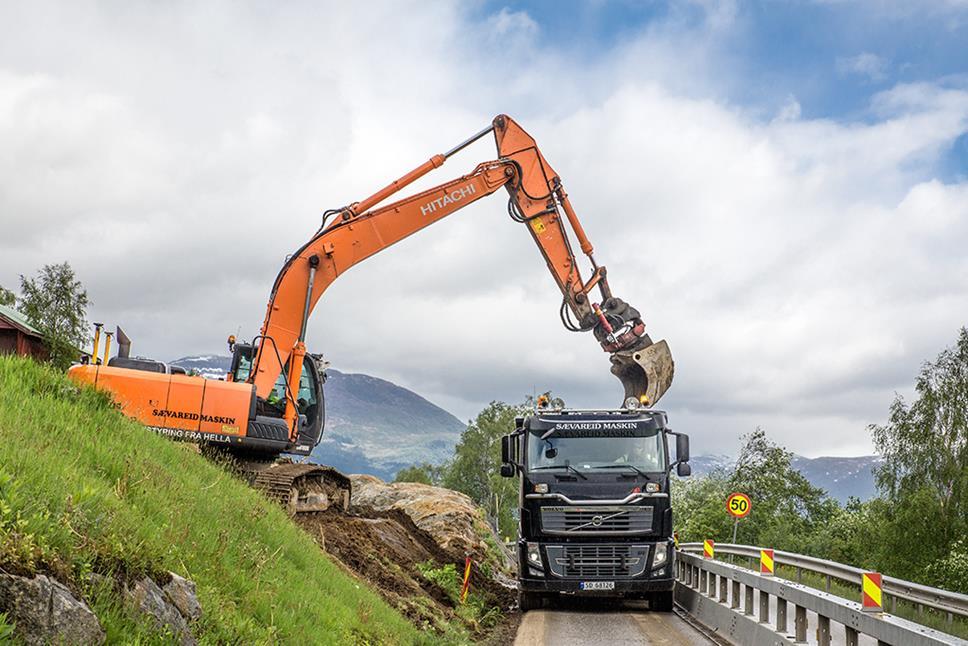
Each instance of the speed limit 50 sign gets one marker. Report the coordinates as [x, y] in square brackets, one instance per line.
[738, 505]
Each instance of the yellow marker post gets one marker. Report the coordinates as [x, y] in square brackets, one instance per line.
[708, 549]
[871, 597]
[766, 562]
[467, 579]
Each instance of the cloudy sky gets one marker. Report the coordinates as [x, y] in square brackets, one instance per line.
[781, 188]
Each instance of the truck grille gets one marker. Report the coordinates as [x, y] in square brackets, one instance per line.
[629, 519]
[597, 561]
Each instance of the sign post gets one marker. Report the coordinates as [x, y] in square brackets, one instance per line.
[738, 505]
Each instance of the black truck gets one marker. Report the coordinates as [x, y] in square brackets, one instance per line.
[595, 510]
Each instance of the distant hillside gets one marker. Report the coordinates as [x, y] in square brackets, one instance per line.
[372, 425]
[839, 477]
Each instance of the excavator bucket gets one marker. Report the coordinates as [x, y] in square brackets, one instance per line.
[646, 372]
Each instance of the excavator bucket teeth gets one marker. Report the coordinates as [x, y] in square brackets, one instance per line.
[645, 372]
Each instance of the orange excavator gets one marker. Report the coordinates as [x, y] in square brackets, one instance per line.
[272, 399]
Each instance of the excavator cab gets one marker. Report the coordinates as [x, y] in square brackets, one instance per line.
[310, 402]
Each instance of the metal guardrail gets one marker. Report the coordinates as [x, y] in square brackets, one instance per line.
[721, 595]
[950, 603]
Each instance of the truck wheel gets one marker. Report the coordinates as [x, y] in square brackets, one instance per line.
[529, 601]
[661, 601]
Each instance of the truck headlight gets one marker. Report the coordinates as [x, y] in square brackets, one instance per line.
[660, 558]
[534, 554]
[652, 487]
[541, 487]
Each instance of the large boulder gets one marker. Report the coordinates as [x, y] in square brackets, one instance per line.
[451, 518]
[46, 612]
[181, 593]
[154, 602]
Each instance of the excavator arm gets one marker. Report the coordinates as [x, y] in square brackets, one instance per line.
[537, 199]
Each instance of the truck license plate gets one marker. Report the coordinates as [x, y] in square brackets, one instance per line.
[598, 585]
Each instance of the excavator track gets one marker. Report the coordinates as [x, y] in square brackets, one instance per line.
[298, 488]
[304, 488]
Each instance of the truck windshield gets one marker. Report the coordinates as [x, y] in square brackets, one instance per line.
[644, 451]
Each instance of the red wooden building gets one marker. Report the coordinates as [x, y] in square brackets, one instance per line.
[17, 336]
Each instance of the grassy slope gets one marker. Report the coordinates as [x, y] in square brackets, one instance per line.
[83, 489]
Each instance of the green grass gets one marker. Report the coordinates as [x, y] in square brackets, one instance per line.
[84, 490]
[475, 611]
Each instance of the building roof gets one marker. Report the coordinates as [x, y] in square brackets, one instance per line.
[19, 321]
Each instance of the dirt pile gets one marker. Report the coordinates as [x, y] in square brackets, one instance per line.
[409, 541]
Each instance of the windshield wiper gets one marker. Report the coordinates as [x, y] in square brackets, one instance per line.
[626, 466]
[562, 466]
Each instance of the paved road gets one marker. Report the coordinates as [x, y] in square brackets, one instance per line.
[613, 624]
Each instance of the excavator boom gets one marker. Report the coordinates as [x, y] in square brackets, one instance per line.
[537, 199]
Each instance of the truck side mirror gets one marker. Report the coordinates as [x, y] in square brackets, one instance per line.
[505, 450]
[507, 470]
[682, 448]
[683, 469]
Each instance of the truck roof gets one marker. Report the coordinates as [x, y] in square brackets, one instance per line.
[640, 418]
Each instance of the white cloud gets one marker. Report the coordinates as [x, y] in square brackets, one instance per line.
[865, 64]
[801, 269]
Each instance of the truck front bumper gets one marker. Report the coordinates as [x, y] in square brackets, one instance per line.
[623, 588]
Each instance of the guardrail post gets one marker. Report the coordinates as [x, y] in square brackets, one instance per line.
[748, 606]
[823, 630]
[764, 608]
[781, 617]
[828, 583]
[853, 637]
[702, 581]
[711, 591]
[723, 590]
[735, 603]
[800, 624]
[799, 574]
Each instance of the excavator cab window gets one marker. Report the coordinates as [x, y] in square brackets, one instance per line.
[307, 398]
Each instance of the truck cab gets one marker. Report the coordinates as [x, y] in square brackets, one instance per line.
[594, 503]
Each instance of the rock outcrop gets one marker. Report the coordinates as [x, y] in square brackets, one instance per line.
[451, 518]
[47, 612]
[172, 607]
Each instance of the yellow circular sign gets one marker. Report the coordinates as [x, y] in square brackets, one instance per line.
[738, 505]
